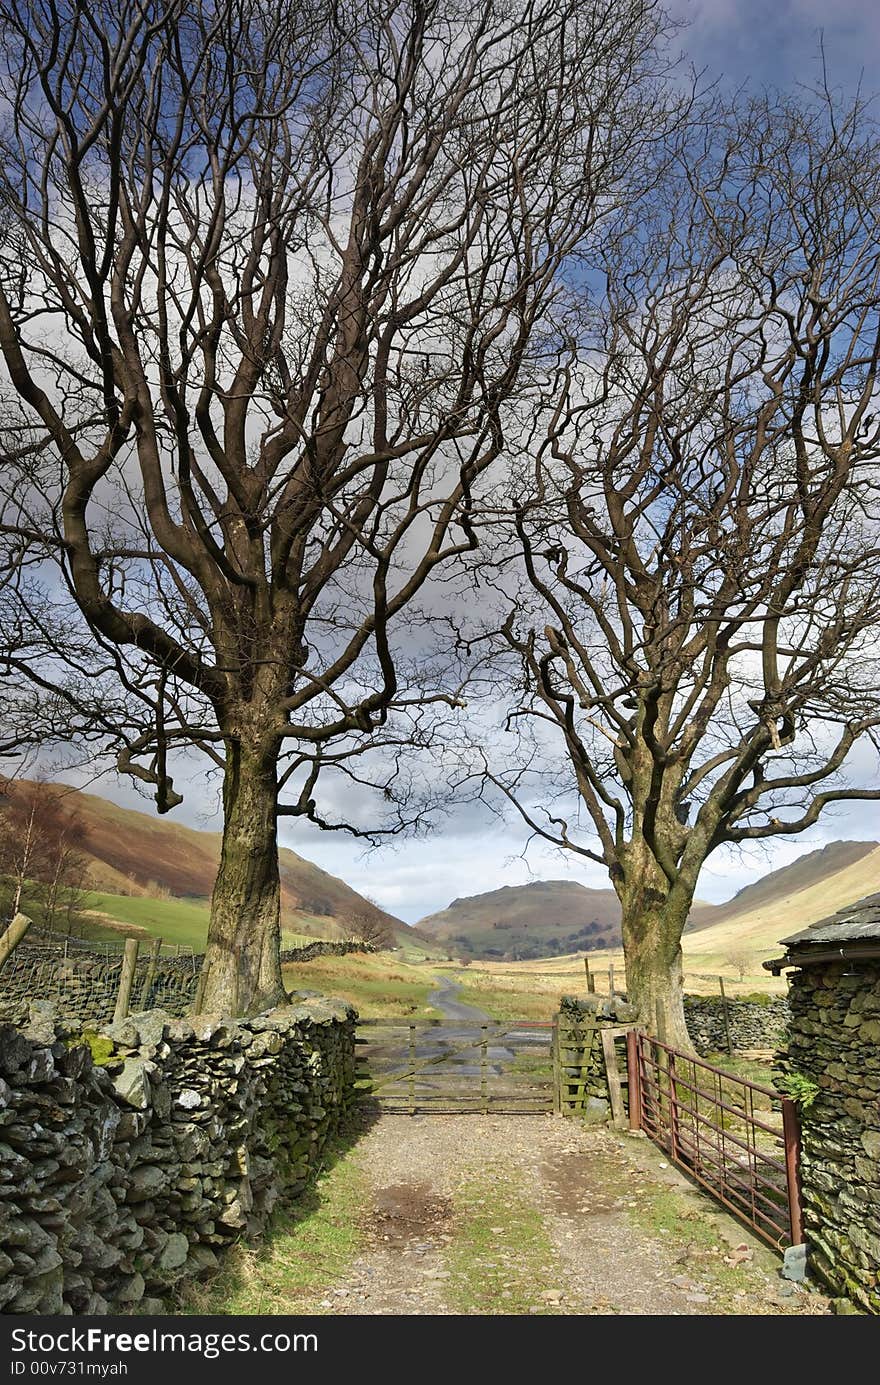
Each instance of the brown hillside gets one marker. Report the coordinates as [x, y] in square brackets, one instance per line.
[138, 854]
[815, 868]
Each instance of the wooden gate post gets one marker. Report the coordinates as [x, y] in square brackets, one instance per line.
[412, 1069]
[634, 1079]
[155, 947]
[557, 1067]
[126, 979]
[725, 1015]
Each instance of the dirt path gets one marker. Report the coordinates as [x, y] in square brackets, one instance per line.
[443, 999]
[516, 1215]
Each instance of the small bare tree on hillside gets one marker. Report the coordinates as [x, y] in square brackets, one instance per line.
[740, 962]
[277, 281]
[41, 852]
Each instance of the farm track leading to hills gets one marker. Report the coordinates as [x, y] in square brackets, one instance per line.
[504, 1215]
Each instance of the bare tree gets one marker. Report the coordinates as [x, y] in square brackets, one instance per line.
[41, 855]
[699, 528]
[372, 928]
[740, 962]
[277, 280]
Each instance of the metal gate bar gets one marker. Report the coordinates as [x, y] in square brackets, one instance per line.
[708, 1122]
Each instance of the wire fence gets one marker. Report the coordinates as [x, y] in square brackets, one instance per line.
[83, 981]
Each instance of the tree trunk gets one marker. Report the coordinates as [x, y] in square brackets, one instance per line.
[654, 971]
[244, 937]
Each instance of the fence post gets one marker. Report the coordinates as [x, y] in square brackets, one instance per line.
[126, 979]
[791, 1130]
[484, 1069]
[725, 1015]
[412, 1069]
[155, 948]
[557, 1067]
[633, 1079]
[200, 988]
[611, 980]
[591, 980]
[13, 936]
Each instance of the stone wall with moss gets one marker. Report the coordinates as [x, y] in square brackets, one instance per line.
[761, 1023]
[834, 1047]
[132, 1156]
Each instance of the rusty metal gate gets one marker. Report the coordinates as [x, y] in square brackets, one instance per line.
[453, 1068]
[738, 1139]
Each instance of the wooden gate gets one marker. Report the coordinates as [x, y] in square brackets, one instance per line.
[452, 1068]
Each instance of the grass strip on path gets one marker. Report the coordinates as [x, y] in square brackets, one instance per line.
[501, 1259]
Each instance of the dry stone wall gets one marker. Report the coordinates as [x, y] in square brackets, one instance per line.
[84, 985]
[753, 1024]
[132, 1156]
[834, 1043]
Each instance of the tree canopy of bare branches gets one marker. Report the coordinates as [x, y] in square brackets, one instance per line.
[276, 282]
[698, 524]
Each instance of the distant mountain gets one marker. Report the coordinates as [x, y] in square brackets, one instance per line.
[551, 917]
[542, 919]
[132, 853]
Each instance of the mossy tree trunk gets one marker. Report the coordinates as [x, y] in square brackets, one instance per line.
[654, 913]
[244, 936]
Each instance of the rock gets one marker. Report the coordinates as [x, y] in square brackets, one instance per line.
[175, 1253]
[132, 1084]
[151, 1025]
[794, 1263]
[151, 1307]
[189, 1099]
[124, 1033]
[144, 1182]
[844, 1306]
[131, 1290]
[41, 1022]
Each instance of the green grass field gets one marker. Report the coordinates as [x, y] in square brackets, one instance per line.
[174, 920]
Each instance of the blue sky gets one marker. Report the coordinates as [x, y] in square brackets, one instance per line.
[739, 41]
[777, 43]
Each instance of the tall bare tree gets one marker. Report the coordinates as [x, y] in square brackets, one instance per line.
[276, 281]
[698, 524]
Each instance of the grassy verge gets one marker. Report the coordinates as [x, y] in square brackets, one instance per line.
[507, 997]
[305, 1251]
[501, 1260]
[693, 1239]
[377, 984]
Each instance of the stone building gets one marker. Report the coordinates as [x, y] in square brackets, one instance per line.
[832, 1064]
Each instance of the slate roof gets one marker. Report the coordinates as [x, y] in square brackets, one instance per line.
[859, 922]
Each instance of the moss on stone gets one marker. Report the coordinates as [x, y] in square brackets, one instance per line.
[102, 1049]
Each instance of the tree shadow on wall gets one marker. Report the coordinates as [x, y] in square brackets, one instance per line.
[308, 1246]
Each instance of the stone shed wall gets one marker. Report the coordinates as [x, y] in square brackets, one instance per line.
[130, 1159]
[834, 1040]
